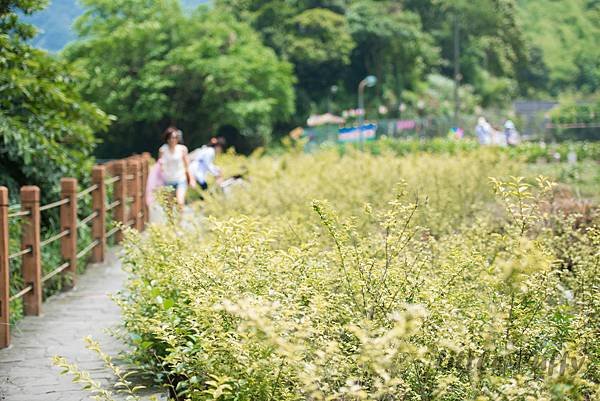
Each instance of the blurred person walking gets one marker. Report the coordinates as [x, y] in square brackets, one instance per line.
[512, 135]
[483, 130]
[202, 161]
[174, 164]
[165, 145]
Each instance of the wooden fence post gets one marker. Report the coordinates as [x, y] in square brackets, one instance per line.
[4, 271]
[31, 263]
[68, 221]
[109, 167]
[133, 190]
[120, 195]
[99, 206]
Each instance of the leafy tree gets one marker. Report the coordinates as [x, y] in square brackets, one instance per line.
[320, 36]
[491, 41]
[320, 47]
[151, 65]
[532, 72]
[46, 128]
[436, 95]
[391, 45]
[339, 42]
[566, 34]
[314, 35]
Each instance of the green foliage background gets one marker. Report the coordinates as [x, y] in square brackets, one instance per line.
[565, 33]
[46, 127]
[47, 132]
[155, 65]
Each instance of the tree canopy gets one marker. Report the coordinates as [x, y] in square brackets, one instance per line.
[338, 43]
[251, 68]
[564, 35]
[41, 110]
[392, 45]
[154, 66]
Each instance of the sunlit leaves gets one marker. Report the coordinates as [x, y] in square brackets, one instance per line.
[424, 289]
[41, 113]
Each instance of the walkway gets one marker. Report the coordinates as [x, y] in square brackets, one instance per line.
[26, 370]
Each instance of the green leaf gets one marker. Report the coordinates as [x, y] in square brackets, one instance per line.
[168, 303]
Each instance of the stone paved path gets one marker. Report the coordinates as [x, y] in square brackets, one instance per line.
[26, 371]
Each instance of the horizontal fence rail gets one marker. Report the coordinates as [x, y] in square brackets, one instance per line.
[88, 248]
[87, 191]
[54, 204]
[112, 180]
[54, 272]
[20, 253]
[126, 180]
[21, 293]
[112, 205]
[112, 232]
[55, 237]
[91, 217]
[19, 214]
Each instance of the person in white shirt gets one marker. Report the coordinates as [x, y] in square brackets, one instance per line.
[202, 161]
[174, 161]
[483, 130]
[165, 146]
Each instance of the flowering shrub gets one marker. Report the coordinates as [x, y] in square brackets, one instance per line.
[365, 277]
[451, 188]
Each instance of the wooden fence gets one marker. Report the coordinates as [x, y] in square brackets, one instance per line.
[128, 180]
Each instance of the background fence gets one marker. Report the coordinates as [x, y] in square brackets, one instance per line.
[125, 179]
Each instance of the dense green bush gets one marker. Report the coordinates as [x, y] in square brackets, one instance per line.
[570, 112]
[413, 281]
[452, 186]
[529, 152]
[41, 112]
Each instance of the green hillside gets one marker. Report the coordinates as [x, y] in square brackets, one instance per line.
[567, 32]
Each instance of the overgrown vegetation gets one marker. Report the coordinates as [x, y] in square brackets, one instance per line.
[41, 111]
[529, 152]
[372, 277]
[577, 120]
